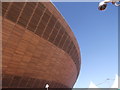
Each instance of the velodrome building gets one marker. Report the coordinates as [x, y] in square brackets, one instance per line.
[38, 47]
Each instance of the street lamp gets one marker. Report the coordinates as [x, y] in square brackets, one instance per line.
[103, 4]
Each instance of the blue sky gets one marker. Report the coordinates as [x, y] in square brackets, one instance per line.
[97, 35]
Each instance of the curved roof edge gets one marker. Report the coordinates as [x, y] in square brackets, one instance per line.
[55, 11]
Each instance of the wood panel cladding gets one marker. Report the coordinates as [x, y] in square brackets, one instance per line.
[38, 20]
[27, 82]
[45, 26]
[26, 54]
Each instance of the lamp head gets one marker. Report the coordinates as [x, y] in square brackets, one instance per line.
[102, 6]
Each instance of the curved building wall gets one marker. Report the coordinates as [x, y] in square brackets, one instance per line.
[38, 47]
